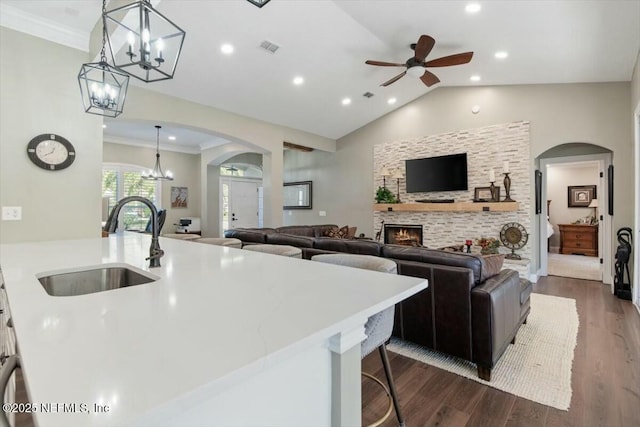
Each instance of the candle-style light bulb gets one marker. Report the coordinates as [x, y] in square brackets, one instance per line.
[131, 39]
[160, 47]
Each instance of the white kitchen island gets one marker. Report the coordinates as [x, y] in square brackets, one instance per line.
[223, 337]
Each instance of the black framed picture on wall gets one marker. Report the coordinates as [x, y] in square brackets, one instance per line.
[580, 196]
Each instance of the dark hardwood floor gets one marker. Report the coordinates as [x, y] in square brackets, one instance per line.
[605, 376]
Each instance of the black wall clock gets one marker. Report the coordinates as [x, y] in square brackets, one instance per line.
[51, 152]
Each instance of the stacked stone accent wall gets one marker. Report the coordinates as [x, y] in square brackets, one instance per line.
[486, 148]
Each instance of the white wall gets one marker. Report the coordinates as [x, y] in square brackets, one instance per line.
[185, 168]
[40, 94]
[559, 177]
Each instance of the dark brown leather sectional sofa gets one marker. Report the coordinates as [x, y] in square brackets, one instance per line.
[472, 309]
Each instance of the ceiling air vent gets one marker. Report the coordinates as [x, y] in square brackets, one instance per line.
[268, 46]
[367, 94]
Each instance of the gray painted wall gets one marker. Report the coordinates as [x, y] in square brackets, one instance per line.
[40, 94]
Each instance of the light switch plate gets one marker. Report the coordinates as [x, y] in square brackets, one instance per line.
[12, 213]
[322, 213]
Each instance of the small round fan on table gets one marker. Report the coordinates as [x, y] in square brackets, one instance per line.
[513, 236]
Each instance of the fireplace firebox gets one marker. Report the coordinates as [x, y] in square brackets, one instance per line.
[399, 234]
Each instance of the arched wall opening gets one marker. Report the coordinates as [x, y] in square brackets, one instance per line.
[211, 160]
[573, 155]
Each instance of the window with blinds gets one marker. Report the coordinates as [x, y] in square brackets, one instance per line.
[120, 181]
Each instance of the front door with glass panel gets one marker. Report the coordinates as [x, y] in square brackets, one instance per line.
[240, 204]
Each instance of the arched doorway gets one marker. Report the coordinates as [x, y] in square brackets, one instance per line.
[563, 250]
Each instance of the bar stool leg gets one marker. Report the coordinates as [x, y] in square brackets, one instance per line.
[392, 388]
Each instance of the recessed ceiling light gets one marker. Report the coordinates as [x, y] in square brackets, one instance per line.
[391, 101]
[226, 48]
[475, 109]
[298, 80]
[475, 78]
[473, 8]
[346, 101]
[104, 126]
[172, 138]
[501, 54]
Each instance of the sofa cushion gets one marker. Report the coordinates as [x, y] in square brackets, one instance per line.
[247, 235]
[361, 247]
[525, 290]
[476, 263]
[290, 239]
[306, 230]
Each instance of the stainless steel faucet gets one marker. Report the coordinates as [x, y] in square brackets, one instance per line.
[155, 253]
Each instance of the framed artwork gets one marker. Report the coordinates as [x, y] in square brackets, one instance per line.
[580, 196]
[483, 194]
[179, 196]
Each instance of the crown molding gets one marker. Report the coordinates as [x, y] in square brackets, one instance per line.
[151, 144]
[28, 23]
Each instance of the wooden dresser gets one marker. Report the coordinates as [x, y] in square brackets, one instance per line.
[580, 239]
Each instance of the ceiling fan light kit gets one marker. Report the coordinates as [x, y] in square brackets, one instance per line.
[416, 65]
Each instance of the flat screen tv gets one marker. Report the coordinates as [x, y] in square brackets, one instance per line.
[442, 173]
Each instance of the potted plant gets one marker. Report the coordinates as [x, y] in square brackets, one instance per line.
[488, 245]
[383, 195]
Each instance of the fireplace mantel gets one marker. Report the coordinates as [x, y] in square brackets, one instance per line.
[447, 207]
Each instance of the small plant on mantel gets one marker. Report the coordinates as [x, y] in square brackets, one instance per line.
[384, 195]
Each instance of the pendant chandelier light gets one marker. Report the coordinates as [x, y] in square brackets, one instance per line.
[258, 3]
[143, 43]
[157, 174]
[103, 87]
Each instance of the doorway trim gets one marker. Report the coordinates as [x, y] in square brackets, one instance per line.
[226, 179]
[604, 238]
[636, 264]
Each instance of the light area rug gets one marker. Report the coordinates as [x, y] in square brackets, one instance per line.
[575, 266]
[537, 367]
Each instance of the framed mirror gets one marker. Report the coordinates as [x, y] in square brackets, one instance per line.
[297, 195]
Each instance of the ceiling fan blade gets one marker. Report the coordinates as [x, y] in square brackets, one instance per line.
[429, 78]
[445, 61]
[384, 64]
[423, 47]
[396, 78]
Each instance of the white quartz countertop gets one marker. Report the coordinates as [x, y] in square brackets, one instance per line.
[214, 316]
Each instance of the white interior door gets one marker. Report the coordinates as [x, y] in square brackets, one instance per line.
[243, 204]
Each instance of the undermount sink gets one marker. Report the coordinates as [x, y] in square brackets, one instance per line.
[93, 279]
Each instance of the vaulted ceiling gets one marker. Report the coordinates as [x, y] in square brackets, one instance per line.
[327, 43]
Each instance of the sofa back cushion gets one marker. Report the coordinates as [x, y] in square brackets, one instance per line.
[306, 230]
[249, 235]
[360, 247]
[290, 239]
[481, 268]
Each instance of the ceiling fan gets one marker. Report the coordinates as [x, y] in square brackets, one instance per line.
[416, 65]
